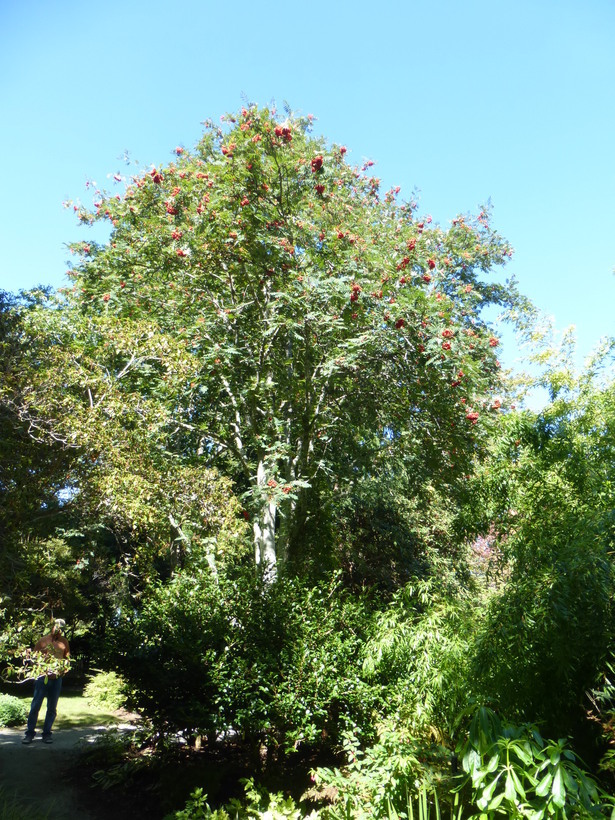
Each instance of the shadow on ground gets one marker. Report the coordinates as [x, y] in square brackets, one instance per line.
[44, 779]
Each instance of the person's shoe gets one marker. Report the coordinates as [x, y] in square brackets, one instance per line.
[27, 739]
[47, 739]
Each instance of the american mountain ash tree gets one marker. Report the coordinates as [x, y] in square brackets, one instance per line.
[324, 329]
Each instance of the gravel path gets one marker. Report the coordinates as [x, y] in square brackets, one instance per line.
[38, 775]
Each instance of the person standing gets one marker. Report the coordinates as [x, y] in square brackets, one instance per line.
[55, 650]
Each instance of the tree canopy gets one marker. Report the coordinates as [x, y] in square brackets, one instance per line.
[304, 327]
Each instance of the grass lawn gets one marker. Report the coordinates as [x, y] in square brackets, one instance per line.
[74, 711]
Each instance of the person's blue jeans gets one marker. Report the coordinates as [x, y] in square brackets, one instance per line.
[50, 690]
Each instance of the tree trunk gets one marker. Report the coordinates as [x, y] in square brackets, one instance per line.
[264, 531]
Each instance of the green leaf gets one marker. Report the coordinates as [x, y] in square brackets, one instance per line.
[542, 789]
[510, 791]
[518, 786]
[495, 802]
[570, 783]
[487, 793]
[471, 761]
[484, 724]
[554, 755]
[558, 791]
[522, 754]
[493, 763]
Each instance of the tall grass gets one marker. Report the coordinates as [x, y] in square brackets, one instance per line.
[11, 808]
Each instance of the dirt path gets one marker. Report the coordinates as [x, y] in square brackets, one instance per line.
[39, 775]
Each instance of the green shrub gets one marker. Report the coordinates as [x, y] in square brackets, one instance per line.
[545, 635]
[603, 713]
[259, 804]
[546, 495]
[109, 748]
[276, 663]
[386, 780]
[107, 690]
[512, 770]
[13, 711]
[320, 688]
[419, 649]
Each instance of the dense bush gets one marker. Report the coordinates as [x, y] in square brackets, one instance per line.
[13, 711]
[275, 662]
[545, 635]
[383, 780]
[320, 688]
[167, 651]
[420, 651]
[602, 711]
[511, 769]
[106, 689]
[548, 497]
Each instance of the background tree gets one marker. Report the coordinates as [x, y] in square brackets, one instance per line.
[36, 564]
[546, 498]
[93, 505]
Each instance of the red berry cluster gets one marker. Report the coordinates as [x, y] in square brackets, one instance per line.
[355, 291]
[284, 132]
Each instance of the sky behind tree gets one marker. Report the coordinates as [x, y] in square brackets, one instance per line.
[467, 103]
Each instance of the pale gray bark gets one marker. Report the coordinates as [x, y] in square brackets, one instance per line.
[264, 530]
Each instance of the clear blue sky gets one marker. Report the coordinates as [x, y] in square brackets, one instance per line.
[465, 101]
